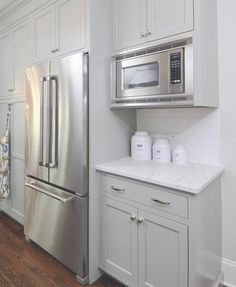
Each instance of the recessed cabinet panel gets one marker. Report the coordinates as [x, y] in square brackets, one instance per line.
[17, 186]
[168, 17]
[119, 240]
[21, 56]
[71, 24]
[43, 24]
[6, 72]
[162, 252]
[129, 24]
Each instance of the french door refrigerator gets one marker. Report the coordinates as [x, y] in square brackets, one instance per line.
[56, 160]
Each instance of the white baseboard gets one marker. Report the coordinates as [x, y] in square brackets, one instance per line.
[12, 213]
[229, 269]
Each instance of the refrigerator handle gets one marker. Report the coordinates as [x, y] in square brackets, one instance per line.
[42, 106]
[53, 122]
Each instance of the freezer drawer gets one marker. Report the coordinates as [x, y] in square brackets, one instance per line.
[57, 221]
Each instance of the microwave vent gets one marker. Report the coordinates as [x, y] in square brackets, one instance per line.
[155, 49]
[152, 102]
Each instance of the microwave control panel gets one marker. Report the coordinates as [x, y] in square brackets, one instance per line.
[175, 68]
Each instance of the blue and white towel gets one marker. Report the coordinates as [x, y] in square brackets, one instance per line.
[4, 165]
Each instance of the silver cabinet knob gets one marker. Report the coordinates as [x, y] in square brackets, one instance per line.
[133, 217]
[54, 50]
[140, 220]
[143, 34]
[149, 32]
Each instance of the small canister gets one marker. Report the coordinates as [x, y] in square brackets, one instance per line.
[179, 155]
[161, 151]
[141, 146]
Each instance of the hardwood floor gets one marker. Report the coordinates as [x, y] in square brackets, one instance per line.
[26, 265]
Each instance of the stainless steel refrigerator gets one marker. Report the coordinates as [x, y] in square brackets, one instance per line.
[56, 160]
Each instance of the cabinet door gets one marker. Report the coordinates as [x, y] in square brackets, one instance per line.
[21, 56]
[119, 241]
[6, 65]
[43, 33]
[163, 251]
[129, 23]
[168, 17]
[70, 15]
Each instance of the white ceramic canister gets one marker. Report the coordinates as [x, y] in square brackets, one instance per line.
[179, 155]
[161, 151]
[141, 146]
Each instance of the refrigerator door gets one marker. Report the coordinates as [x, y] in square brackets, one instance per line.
[58, 222]
[37, 127]
[69, 123]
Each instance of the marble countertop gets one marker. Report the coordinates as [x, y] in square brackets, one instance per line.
[192, 178]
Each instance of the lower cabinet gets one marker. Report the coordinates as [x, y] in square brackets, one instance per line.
[143, 249]
[154, 236]
[119, 240]
[162, 252]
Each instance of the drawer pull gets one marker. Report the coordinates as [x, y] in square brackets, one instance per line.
[160, 201]
[117, 189]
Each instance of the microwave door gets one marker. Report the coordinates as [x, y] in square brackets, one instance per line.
[37, 124]
[143, 76]
[68, 156]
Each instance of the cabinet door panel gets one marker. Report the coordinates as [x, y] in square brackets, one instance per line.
[21, 56]
[167, 17]
[71, 25]
[43, 33]
[119, 240]
[6, 65]
[163, 252]
[129, 22]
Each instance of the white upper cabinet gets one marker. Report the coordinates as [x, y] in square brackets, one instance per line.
[70, 25]
[129, 25]
[58, 29]
[6, 71]
[21, 56]
[43, 33]
[168, 17]
[138, 21]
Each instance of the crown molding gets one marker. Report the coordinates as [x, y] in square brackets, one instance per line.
[11, 7]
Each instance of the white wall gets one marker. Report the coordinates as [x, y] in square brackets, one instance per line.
[227, 64]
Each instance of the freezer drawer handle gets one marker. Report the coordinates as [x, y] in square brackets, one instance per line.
[53, 195]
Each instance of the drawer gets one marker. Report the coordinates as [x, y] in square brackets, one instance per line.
[154, 197]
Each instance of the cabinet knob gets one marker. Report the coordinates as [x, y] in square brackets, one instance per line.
[140, 220]
[54, 50]
[143, 34]
[133, 217]
[149, 32]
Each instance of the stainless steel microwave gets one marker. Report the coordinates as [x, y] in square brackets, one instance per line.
[161, 75]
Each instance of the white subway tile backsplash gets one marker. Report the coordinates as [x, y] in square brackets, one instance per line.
[198, 129]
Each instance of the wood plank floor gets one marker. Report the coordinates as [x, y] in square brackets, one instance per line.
[26, 265]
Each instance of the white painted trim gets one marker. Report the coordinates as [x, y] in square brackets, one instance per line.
[12, 213]
[220, 280]
[12, 7]
[229, 268]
